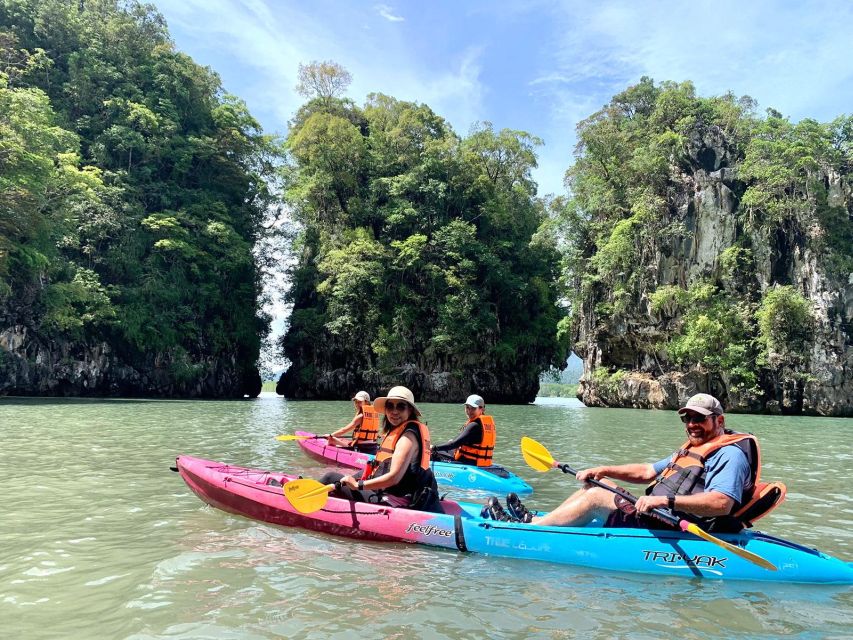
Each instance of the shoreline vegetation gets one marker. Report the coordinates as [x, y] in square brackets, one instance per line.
[557, 390]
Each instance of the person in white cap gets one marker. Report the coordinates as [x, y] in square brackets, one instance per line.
[709, 480]
[364, 427]
[475, 443]
[401, 474]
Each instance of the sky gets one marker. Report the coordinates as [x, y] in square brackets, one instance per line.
[533, 65]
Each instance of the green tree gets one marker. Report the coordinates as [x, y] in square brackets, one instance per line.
[136, 192]
[324, 80]
[418, 249]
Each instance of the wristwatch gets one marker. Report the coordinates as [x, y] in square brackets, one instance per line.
[361, 485]
[670, 502]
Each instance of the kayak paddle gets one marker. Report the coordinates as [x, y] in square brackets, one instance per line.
[307, 495]
[294, 437]
[538, 457]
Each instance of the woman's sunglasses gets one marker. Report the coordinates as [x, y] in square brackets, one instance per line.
[397, 406]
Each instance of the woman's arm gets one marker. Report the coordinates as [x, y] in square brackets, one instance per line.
[350, 427]
[468, 435]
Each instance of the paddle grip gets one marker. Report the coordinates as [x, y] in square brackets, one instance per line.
[666, 516]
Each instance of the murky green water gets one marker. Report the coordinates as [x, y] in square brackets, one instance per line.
[99, 539]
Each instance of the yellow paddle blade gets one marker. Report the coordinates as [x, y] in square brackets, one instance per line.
[743, 553]
[536, 455]
[307, 495]
[292, 437]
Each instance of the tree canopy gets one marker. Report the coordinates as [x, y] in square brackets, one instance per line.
[132, 190]
[418, 249]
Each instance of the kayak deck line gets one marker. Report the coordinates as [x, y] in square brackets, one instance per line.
[250, 493]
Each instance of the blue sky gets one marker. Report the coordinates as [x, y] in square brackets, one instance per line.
[540, 66]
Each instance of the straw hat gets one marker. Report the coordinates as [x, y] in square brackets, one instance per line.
[362, 396]
[396, 393]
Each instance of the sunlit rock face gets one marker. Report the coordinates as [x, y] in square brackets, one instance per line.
[706, 202]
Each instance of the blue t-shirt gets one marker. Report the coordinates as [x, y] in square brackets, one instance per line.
[726, 470]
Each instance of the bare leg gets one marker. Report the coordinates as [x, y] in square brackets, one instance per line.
[580, 508]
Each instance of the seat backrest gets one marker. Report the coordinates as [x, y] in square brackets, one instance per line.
[765, 497]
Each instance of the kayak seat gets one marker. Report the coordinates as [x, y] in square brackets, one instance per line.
[765, 497]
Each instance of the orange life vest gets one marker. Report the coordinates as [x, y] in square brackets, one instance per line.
[480, 453]
[685, 475]
[382, 462]
[368, 430]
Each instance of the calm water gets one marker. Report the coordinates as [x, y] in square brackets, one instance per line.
[99, 539]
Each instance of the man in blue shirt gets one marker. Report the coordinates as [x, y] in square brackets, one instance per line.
[728, 476]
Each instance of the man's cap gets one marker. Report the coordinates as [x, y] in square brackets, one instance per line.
[704, 404]
[475, 401]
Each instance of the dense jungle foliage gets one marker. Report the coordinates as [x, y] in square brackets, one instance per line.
[132, 190]
[629, 218]
[418, 248]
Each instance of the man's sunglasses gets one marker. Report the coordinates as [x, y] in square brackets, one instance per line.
[397, 406]
[695, 418]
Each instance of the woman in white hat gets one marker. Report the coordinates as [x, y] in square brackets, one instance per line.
[400, 475]
[364, 427]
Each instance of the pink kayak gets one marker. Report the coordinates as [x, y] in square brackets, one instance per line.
[258, 495]
[449, 474]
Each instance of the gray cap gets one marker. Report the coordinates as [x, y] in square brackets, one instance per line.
[704, 404]
[475, 401]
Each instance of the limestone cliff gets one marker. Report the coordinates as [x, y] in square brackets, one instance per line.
[428, 386]
[626, 347]
[31, 365]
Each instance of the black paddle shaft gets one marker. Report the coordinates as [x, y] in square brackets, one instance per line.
[666, 516]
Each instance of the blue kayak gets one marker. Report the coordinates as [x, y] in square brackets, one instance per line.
[671, 553]
[260, 495]
[449, 474]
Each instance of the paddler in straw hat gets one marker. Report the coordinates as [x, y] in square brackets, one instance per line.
[400, 475]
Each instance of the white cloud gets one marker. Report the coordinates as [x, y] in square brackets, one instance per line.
[386, 12]
[792, 56]
[267, 42]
